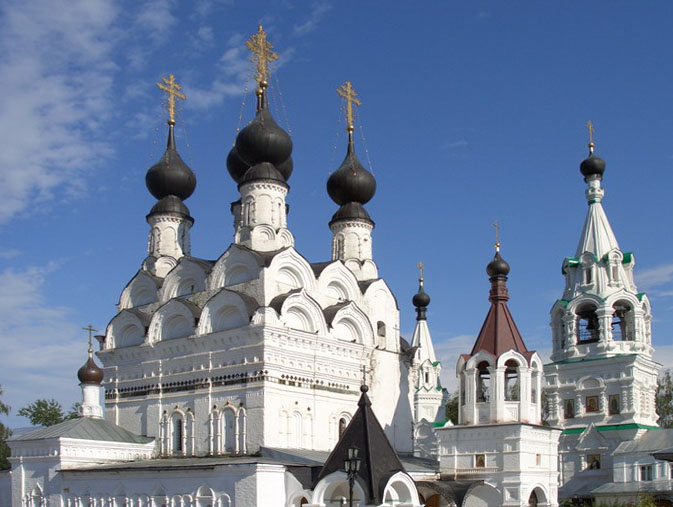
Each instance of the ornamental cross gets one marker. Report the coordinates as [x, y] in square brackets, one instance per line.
[172, 88]
[261, 49]
[420, 270]
[348, 93]
[91, 331]
[497, 235]
[590, 127]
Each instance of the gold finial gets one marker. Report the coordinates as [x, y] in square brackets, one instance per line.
[172, 88]
[347, 92]
[91, 331]
[497, 235]
[590, 127]
[261, 49]
[420, 271]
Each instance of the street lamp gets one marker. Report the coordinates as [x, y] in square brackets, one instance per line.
[352, 466]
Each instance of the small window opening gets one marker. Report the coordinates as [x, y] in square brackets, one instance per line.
[646, 472]
[594, 462]
[427, 377]
[511, 381]
[538, 460]
[587, 325]
[615, 273]
[568, 409]
[342, 426]
[462, 389]
[588, 275]
[483, 382]
[381, 328]
[620, 325]
[177, 434]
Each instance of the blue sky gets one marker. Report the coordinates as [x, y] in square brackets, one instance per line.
[472, 112]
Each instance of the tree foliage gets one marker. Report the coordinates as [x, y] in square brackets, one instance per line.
[47, 412]
[5, 432]
[452, 408]
[664, 400]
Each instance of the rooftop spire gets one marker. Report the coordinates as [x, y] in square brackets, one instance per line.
[90, 372]
[172, 89]
[261, 50]
[497, 235]
[420, 300]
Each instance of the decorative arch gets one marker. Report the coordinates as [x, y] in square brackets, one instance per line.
[587, 322]
[225, 310]
[538, 496]
[141, 290]
[400, 488]
[335, 486]
[482, 494]
[291, 271]
[205, 497]
[236, 265]
[186, 278]
[591, 383]
[512, 355]
[175, 319]
[480, 357]
[228, 429]
[126, 329]
[300, 311]
[338, 284]
[351, 324]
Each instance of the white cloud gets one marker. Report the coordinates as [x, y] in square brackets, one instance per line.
[460, 143]
[156, 19]
[318, 12]
[448, 350]
[55, 75]
[40, 352]
[655, 277]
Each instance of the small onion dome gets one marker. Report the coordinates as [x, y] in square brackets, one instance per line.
[262, 140]
[90, 372]
[420, 299]
[262, 171]
[592, 165]
[170, 176]
[236, 166]
[497, 266]
[351, 182]
[170, 204]
[350, 211]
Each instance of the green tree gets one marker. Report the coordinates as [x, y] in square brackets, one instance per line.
[46, 412]
[452, 408]
[664, 400]
[5, 432]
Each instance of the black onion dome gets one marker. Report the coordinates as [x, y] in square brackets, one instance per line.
[497, 266]
[236, 166]
[170, 204]
[263, 171]
[420, 299]
[90, 373]
[170, 176]
[350, 211]
[351, 182]
[592, 165]
[262, 140]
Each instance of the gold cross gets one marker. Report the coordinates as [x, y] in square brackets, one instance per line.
[497, 235]
[590, 126]
[420, 269]
[261, 48]
[91, 331]
[172, 88]
[348, 93]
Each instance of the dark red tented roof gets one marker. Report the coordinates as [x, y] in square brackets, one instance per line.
[499, 332]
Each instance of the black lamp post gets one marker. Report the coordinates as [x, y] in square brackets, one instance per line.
[352, 466]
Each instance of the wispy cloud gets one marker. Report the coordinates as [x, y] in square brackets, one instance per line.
[318, 11]
[156, 19]
[40, 351]
[56, 75]
[460, 143]
[655, 277]
[448, 350]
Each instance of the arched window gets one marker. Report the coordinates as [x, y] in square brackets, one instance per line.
[587, 325]
[381, 328]
[342, 426]
[177, 434]
[229, 430]
[483, 382]
[511, 381]
[621, 317]
[588, 275]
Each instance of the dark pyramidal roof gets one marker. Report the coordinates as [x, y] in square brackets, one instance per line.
[378, 459]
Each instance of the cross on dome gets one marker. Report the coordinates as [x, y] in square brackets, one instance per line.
[172, 89]
[350, 95]
[261, 49]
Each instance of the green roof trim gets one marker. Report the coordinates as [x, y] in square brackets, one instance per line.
[640, 296]
[611, 427]
[435, 363]
[628, 257]
[564, 302]
[571, 361]
[439, 424]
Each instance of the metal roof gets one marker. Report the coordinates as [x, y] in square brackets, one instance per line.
[84, 428]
